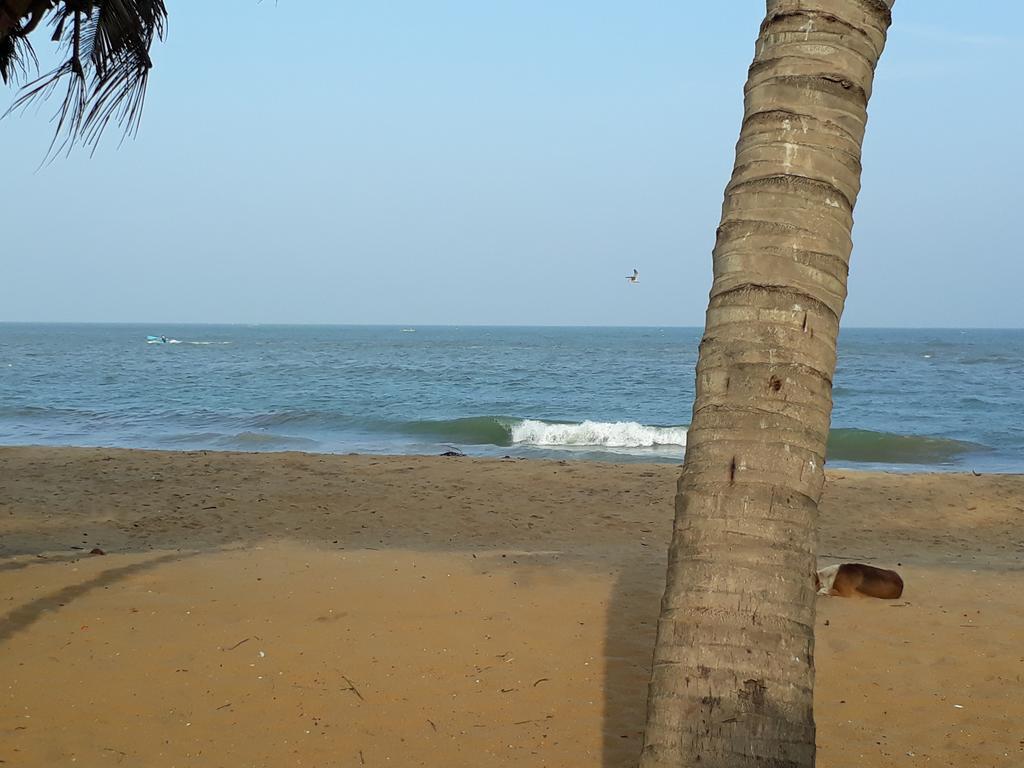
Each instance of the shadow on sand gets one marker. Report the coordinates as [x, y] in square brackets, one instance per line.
[24, 616]
[633, 607]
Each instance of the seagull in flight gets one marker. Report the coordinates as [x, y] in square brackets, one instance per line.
[634, 278]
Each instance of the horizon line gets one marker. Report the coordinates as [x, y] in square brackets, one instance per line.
[472, 325]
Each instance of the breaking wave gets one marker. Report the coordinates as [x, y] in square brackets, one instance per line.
[617, 434]
[850, 445]
[863, 445]
[506, 431]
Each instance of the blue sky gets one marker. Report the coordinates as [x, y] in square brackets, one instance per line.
[490, 163]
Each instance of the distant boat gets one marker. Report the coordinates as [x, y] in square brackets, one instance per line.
[161, 340]
[408, 330]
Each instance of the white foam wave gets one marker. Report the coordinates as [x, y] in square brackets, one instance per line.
[179, 341]
[619, 434]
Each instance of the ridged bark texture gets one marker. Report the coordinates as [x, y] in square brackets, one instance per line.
[733, 676]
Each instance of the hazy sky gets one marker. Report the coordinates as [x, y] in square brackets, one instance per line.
[443, 161]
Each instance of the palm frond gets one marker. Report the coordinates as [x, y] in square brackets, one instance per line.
[16, 57]
[107, 45]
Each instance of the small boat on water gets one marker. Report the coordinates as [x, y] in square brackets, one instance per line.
[161, 340]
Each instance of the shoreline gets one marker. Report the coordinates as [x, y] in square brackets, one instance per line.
[571, 454]
[488, 612]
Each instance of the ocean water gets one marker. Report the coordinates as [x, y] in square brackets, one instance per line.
[904, 399]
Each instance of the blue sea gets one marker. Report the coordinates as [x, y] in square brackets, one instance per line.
[904, 399]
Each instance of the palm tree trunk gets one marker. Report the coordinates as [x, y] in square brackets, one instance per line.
[733, 676]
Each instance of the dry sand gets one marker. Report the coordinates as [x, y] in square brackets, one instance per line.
[305, 610]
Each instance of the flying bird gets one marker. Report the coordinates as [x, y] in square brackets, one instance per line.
[634, 278]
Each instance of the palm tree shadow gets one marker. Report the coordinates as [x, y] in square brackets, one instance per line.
[633, 609]
[17, 565]
[24, 616]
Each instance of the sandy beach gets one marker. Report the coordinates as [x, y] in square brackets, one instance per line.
[319, 610]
